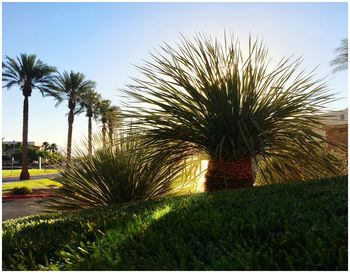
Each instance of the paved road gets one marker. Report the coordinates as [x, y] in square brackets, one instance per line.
[21, 207]
[32, 177]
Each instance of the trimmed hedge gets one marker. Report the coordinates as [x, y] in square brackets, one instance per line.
[297, 226]
[21, 190]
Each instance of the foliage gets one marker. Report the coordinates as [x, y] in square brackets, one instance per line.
[113, 116]
[214, 99]
[275, 227]
[6, 157]
[28, 73]
[45, 145]
[298, 170]
[70, 87]
[37, 183]
[340, 62]
[33, 154]
[21, 190]
[121, 173]
[49, 147]
[90, 101]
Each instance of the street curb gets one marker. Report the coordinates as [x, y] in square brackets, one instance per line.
[27, 196]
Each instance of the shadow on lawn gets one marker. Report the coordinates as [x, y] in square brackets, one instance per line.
[289, 231]
[299, 227]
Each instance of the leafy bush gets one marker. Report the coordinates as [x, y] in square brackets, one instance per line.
[117, 174]
[20, 190]
[275, 227]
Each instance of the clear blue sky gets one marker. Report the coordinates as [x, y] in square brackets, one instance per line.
[104, 40]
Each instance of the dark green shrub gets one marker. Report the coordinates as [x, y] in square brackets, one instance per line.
[299, 226]
[20, 190]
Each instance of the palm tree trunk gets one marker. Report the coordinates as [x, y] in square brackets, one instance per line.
[223, 175]
[110, 133]
[70, 132]
[90, 135]
[24, 173]
[104, 134]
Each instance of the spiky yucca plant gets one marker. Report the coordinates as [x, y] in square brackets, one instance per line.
[210, 97]
[280, 170]
[127, 171]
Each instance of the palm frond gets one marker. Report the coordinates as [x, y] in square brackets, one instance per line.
[27, 71]
[340, 62]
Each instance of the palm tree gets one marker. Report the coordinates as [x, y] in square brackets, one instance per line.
[103, 107]
[28, 73]
[204, 97]
[341, 61]
[71, 87]
[90, 102]
[45, 145]
[113, 121]
[53, 148]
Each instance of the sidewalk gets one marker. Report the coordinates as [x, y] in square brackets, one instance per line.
[21, 207]
[32, 177]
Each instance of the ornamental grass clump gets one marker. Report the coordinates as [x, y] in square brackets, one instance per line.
[232, 106]
[127, 171]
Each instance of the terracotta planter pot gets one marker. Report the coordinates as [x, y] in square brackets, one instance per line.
[223, 175]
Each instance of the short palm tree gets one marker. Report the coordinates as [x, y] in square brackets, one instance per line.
[70, 87]
[210, 97]
[113, 121]
[53, 148]
[90, 102]
[28, 73]
[45, 145]
[340, 62]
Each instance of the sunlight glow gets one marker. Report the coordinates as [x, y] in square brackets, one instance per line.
[201, 173]
[161, 212]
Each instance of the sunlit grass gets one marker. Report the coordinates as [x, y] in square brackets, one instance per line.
[38, 183]
[17, 172]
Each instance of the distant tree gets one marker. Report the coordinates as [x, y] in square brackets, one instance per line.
[53, 148]
[113, 121]
[103, 107]
[90, 102]
[45, 145]
[28, 73]
[70, 87]
[341, 60]
[33, 154]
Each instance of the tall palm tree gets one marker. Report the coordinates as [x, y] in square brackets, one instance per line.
[340, 62]
[70, 87]
[90, 102]
[113, 121]
[209, 97]
[28, 73]
[103, 107]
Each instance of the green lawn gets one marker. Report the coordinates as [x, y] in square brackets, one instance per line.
[17, 172]
[297, 226]
[37, 183]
